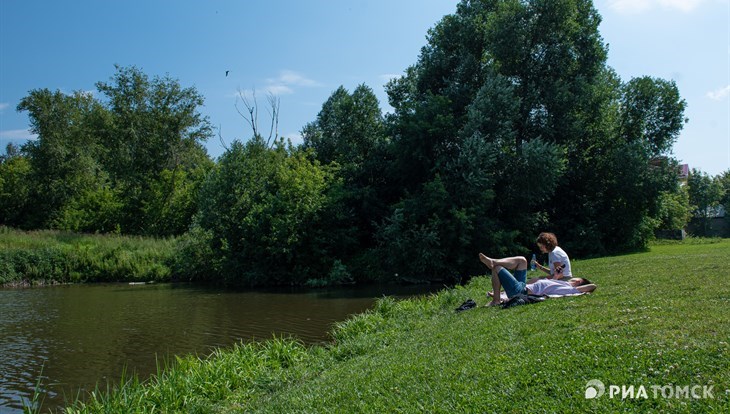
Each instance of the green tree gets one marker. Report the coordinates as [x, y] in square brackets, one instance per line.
[349, 134]
[653, 113]
[705, 194]
[675, 209]
[576, 147]
[260, 216]
[153, 142]
[724, 180]
[64, 159]
[14, 188]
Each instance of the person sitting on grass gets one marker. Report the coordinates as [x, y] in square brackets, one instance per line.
[516, 284]
[558, 261]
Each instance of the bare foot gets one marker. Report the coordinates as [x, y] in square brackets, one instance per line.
[493, 303]
[487, 261]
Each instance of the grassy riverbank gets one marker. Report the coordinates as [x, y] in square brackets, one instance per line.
[658, 319]
[39, 257]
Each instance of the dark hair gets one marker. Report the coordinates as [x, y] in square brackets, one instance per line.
[548, 240]
[584, 281]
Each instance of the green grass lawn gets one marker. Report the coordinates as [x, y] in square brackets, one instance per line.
[659, 318]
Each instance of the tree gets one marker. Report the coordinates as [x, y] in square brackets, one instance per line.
[576, 147]
[675, 209]
[349, 134]
[521, 76]
[260, 213]
[724, 180]
[64, 159]
[705, 194]
[652, 112]
[153, 140]
[14, 188]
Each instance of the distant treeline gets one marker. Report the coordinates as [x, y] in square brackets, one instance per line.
[509, 123]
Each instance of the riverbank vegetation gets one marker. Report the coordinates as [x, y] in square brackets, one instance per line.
[509, 123]
[51, 256]
[658, 318]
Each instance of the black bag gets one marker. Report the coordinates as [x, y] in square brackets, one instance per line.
[522, 299]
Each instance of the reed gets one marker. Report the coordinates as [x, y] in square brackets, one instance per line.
[47, 256]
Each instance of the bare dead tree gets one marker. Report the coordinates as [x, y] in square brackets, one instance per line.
[220, 138]
[274, 104]
[251, 114]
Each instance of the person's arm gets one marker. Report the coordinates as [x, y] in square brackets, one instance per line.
[586, 288]
[543, 268]
[558, 271]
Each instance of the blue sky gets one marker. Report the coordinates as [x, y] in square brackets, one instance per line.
[303, 50]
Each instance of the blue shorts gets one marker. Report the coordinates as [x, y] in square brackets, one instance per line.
[513, 285]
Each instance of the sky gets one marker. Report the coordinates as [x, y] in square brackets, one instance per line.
[303, 50]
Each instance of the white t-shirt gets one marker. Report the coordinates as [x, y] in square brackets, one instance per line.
[552, 287]
[559, 255]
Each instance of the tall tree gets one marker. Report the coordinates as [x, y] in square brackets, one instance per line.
[349, 132]
[705, 194]
[576, 149]
[64, 158]
[156, 131]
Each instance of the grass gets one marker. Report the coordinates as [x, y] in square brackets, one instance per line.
[659, 318]
[48, 256]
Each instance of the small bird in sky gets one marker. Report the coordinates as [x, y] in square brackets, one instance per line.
[227, 72]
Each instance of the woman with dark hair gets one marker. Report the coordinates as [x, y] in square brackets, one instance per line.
[516, 284]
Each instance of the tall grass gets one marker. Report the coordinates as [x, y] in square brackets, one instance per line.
[61, 257]
[657, 319]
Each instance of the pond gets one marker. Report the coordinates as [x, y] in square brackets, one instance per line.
[77, 336]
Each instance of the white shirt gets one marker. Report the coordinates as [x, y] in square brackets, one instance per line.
[559, 255]
[552, 287]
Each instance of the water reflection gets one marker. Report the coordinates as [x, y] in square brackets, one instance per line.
[78, 336]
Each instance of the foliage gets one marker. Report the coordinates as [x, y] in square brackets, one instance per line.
[132, 163]
[65, 158]
[509, 123]
[675, 209]
[575, 145]
[262, 210]
[14, 189]
[419, 355]
[724, 182]
[705, 194]
[153, 140]
[349, 134]
[40, 257]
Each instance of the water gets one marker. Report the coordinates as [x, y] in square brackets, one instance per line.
[75, 337]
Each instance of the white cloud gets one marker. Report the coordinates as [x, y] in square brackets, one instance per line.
[719, 94]
[16, 134]
[639, 6]
[284, 84]
[289, 77]
[3, 106]
[286, 81]
[278, 89]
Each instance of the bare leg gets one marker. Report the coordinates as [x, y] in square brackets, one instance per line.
[496, 287]
[514, 263]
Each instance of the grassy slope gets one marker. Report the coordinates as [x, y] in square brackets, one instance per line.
[658, 318]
